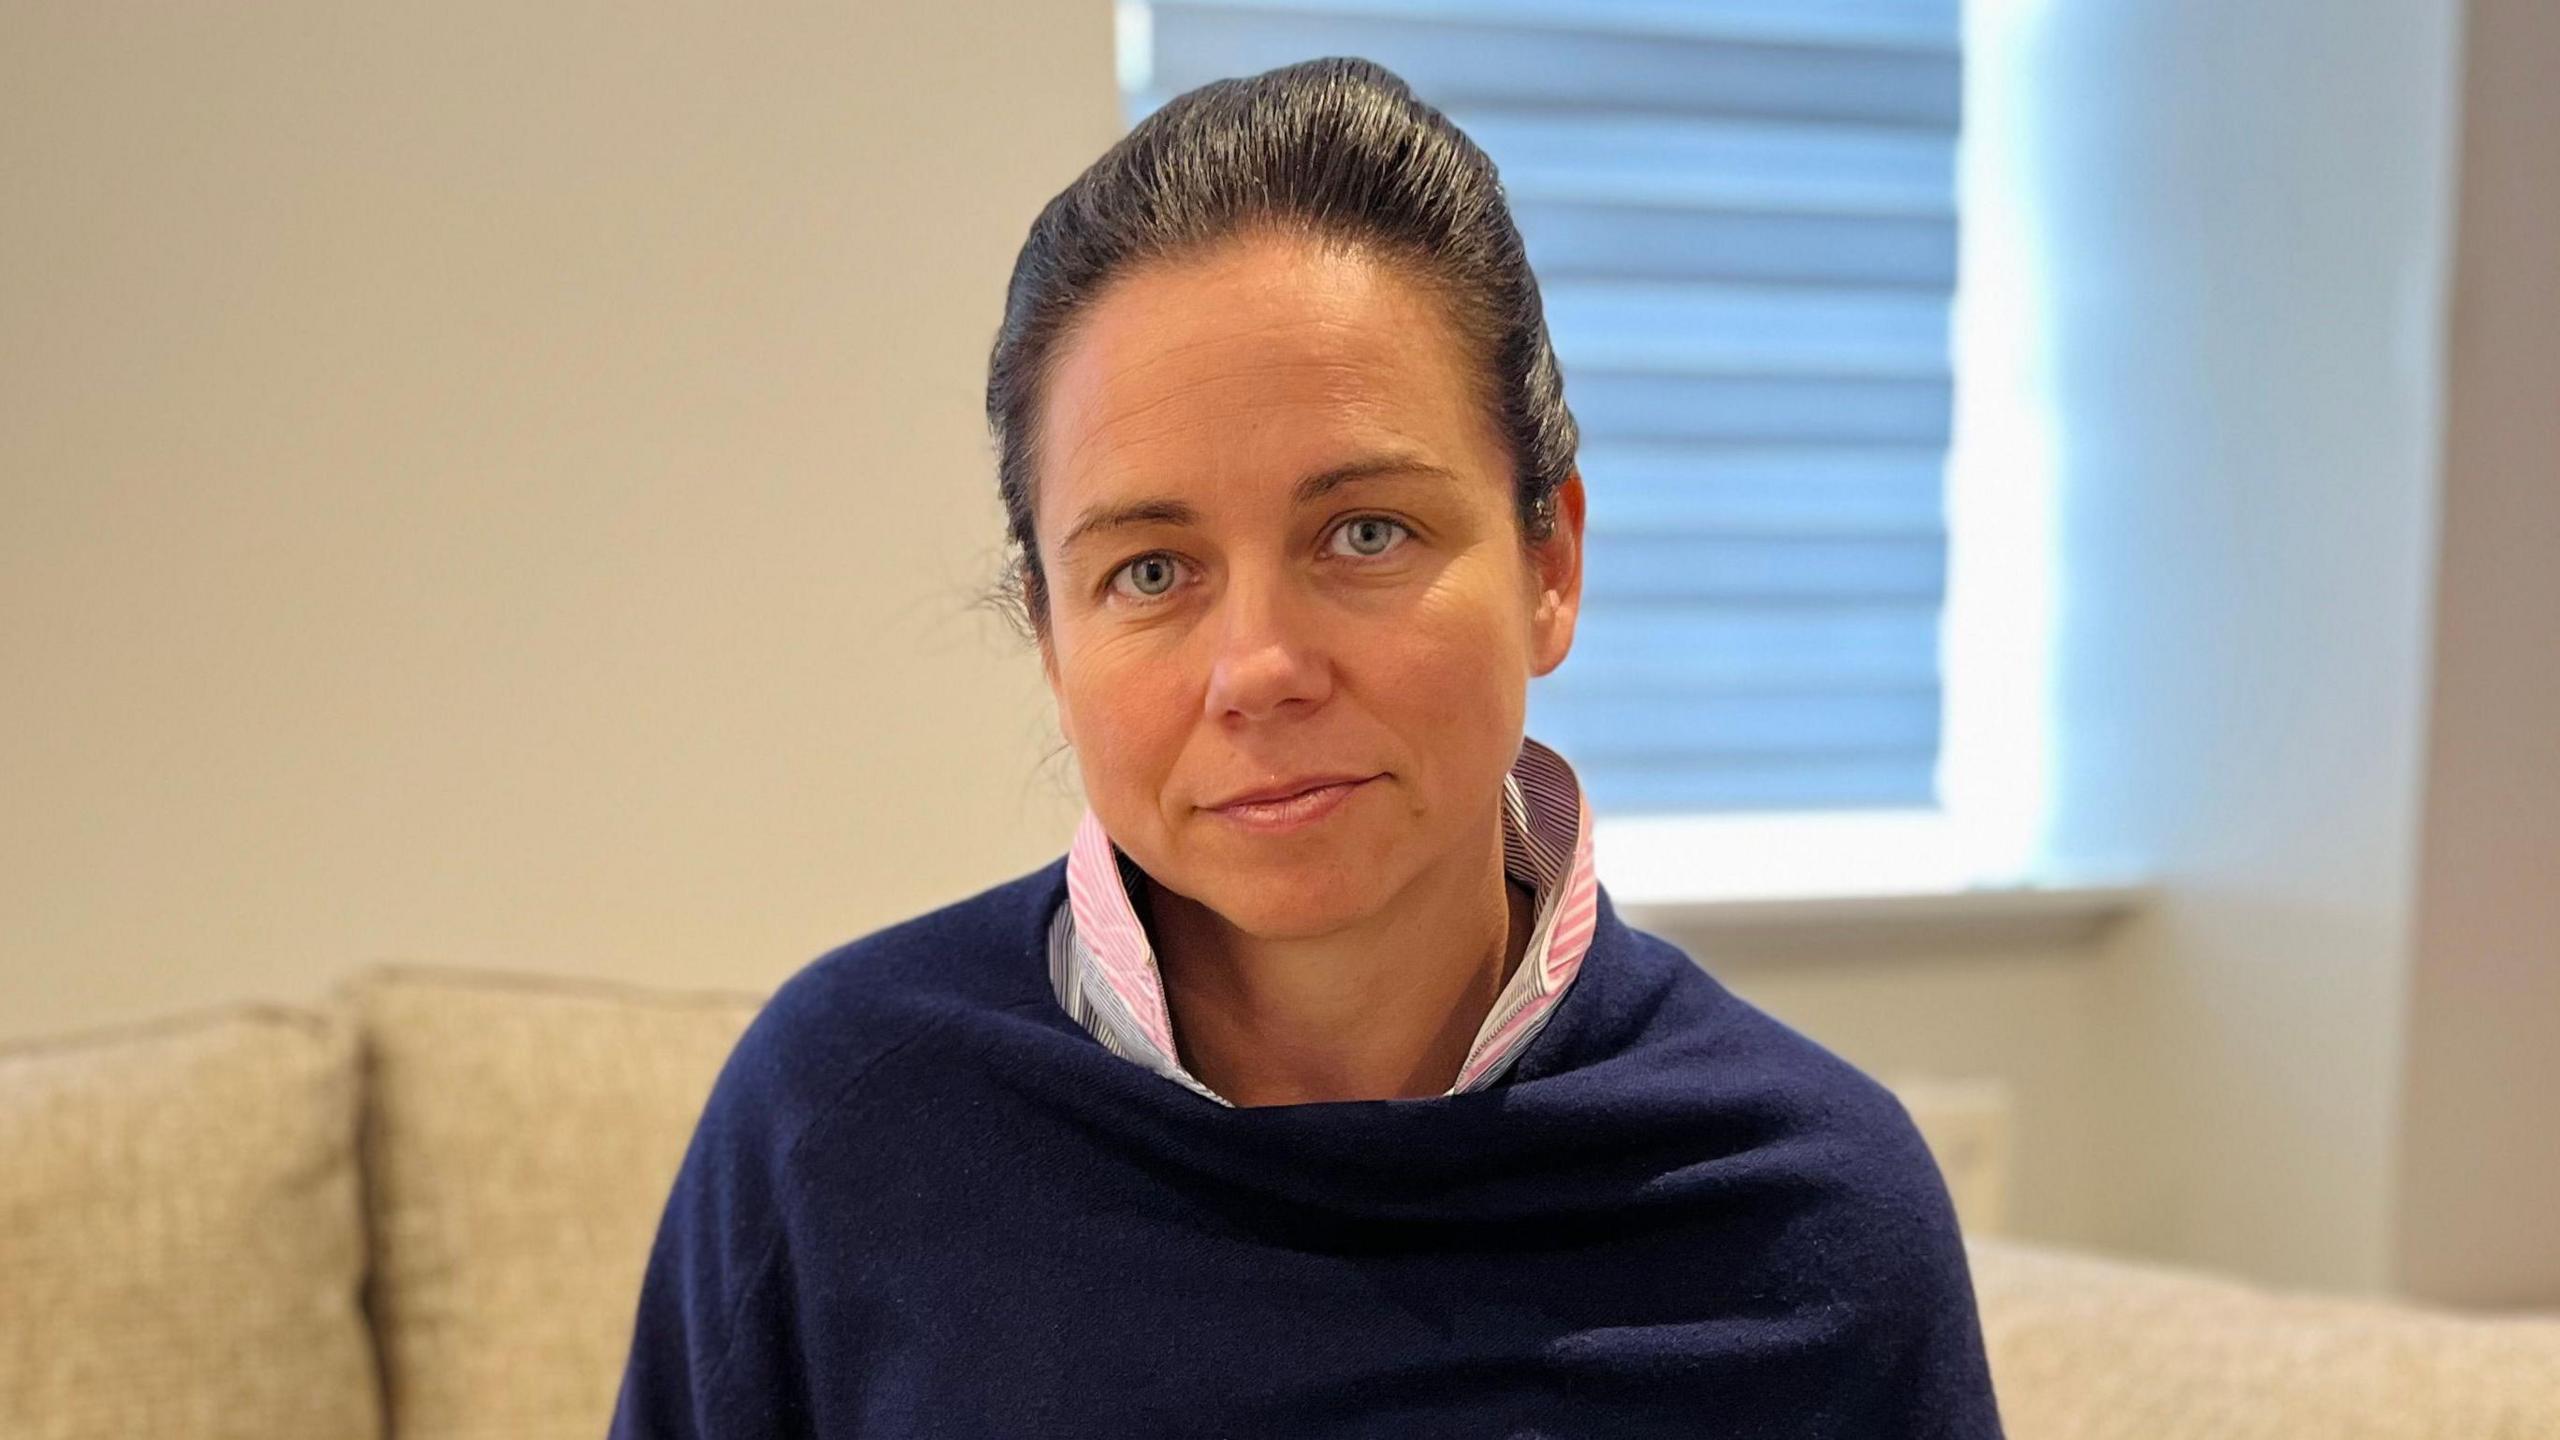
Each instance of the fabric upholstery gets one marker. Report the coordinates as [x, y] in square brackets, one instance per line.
[181, 1238]
[2091, 1347]
[520, 1136]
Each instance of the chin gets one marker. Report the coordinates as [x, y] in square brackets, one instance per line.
[1274, 905]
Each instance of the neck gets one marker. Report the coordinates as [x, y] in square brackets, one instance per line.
[1386, 1008]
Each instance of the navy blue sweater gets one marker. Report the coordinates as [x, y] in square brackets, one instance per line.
[922, 1201]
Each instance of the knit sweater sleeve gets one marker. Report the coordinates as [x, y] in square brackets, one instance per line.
[1928, 1356]
[712, 1337]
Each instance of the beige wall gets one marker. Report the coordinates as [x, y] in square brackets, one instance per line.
[2479, 1214]
[506, 484]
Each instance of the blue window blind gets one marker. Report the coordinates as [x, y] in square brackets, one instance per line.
[1742, 217]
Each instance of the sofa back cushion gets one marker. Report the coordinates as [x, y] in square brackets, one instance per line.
[521, 1134]
[2085, 1346]
[181, 1235]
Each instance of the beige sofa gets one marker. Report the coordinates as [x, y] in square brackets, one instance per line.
[421, 1208]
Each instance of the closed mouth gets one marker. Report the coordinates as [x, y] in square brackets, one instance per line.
[1278, 797]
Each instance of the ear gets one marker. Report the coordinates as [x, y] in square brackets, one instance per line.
[1557, 566]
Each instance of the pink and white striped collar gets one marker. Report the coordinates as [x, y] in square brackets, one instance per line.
[1546, 844]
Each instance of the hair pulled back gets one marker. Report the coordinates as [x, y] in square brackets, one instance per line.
[1336, 150]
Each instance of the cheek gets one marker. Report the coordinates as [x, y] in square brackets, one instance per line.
[1127, 709]
[1456, 668]
[1464, 637]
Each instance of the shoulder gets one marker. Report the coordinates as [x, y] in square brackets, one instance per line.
[969, 949]
[1847, 1213]
[1878, 1217]
[1876, 1242]
[708, 1312]
[1847, 1119]
[1814, 1124]
[1747, 1061]
[865, 999]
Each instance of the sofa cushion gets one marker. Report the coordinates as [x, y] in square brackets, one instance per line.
[181, 1236]
[2085, 1346]
[521, 1134]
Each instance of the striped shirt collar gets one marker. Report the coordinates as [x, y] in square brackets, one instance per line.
[1104, 969]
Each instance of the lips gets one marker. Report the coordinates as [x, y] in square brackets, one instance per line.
[1286, 789]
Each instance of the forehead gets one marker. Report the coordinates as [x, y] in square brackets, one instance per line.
[1255, 363]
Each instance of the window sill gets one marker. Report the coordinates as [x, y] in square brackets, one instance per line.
[2000, 917]
[1863, 881]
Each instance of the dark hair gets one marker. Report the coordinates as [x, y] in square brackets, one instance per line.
[1337, 150]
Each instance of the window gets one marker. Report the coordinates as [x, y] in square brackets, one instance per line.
[1742, 216]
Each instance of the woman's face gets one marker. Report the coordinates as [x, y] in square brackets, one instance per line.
[1277, 530]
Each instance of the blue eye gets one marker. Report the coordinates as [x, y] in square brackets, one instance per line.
[1157, 568]
[1158, 561]
[1348, 526]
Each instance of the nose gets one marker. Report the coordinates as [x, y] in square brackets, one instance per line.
[1268, 651]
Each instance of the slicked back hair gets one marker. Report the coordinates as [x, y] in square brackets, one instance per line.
[1336, 151]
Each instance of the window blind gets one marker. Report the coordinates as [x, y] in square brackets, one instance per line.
[1742, 217]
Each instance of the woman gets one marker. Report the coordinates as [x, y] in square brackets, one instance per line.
[1317, 1089]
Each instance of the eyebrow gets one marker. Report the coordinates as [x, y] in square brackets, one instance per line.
[1110, 516]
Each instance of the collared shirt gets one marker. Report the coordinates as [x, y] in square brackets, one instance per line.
[1103, 966]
